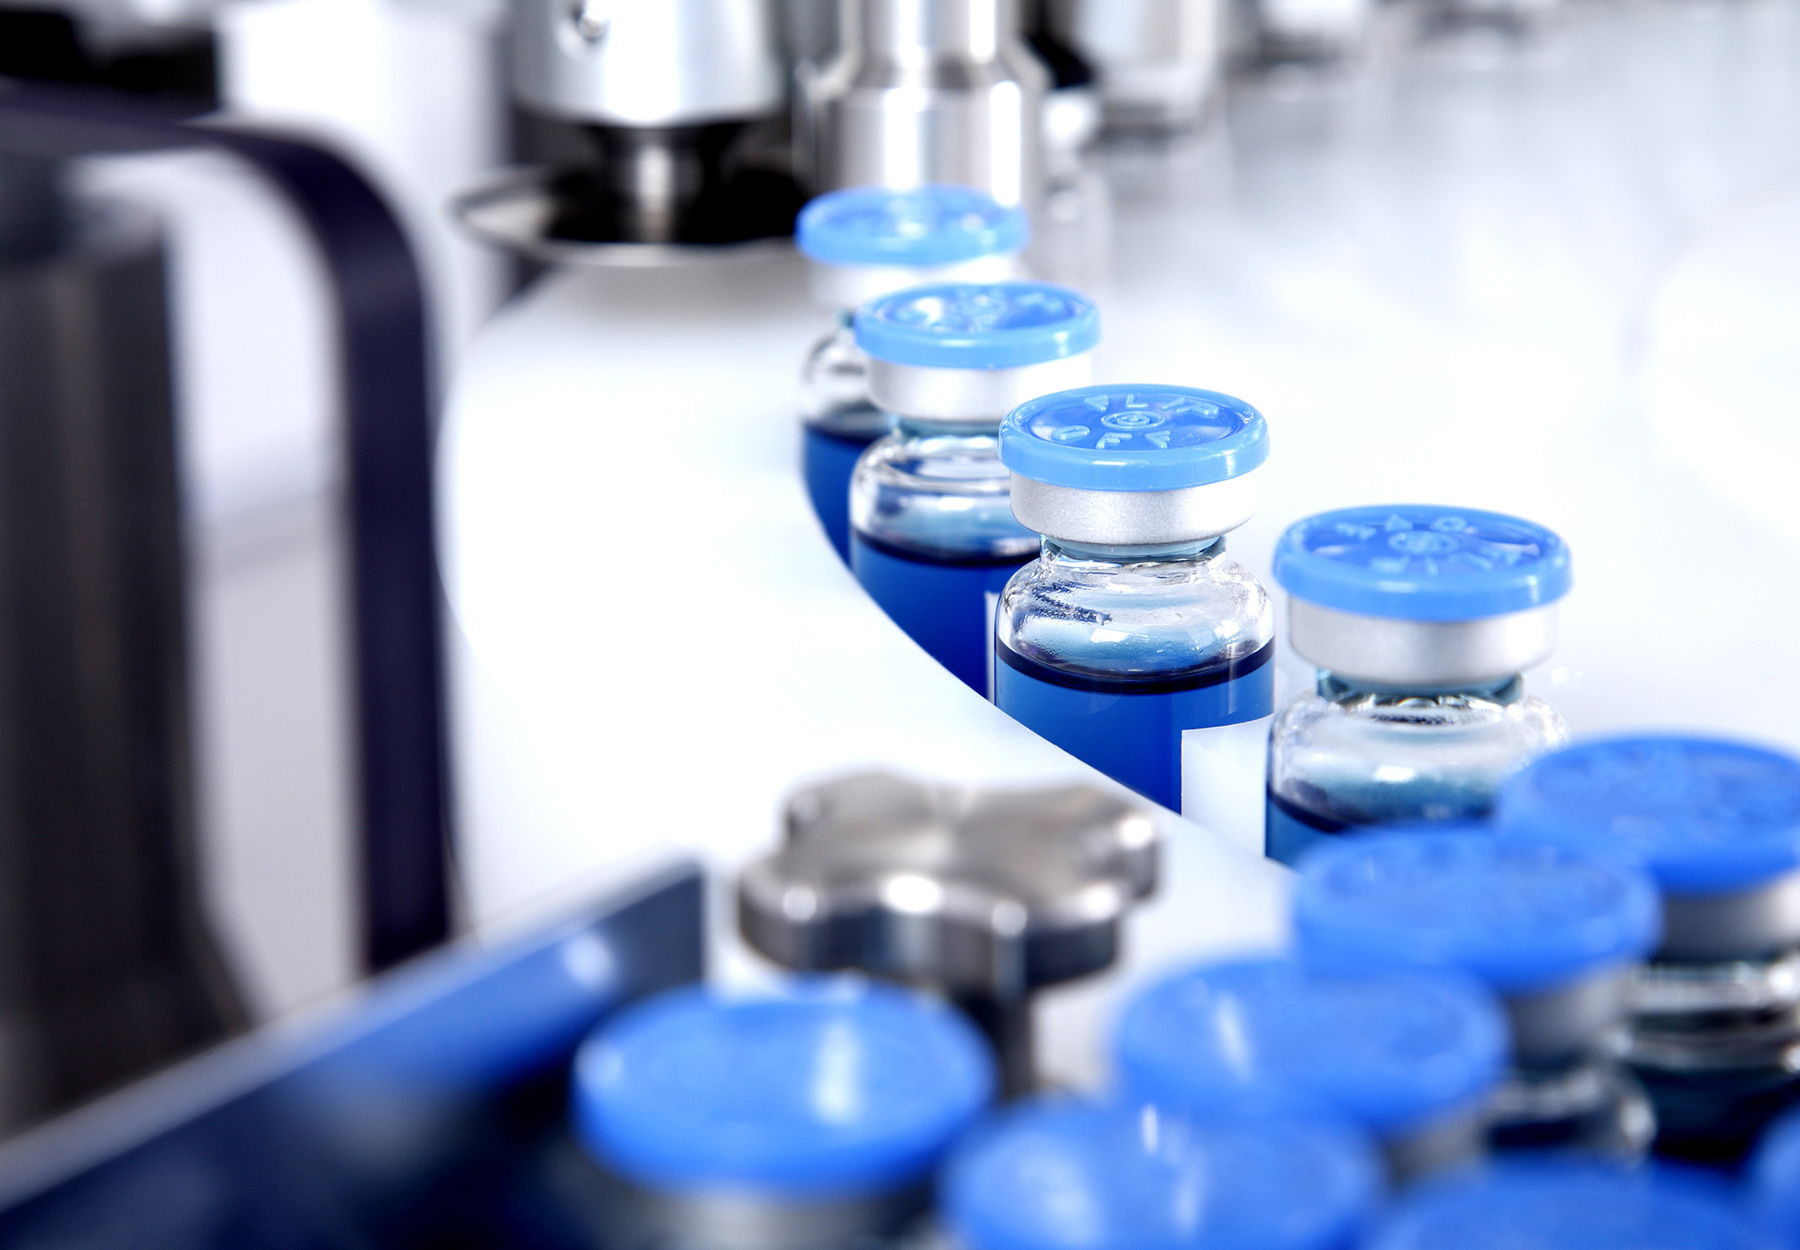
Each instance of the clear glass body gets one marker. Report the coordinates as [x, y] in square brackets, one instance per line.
[834, 385]
[1134, 612]
[1350, 754]
[938, 490]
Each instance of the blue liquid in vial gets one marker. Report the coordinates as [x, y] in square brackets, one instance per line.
[828, 458]
[1293, 829]
[1131, 730]
[941, 604]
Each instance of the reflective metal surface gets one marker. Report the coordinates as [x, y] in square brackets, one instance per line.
[623, 63]
[1421, 655]
[982, 395]
[1551, 1027]
[1137, 517]
[1743, 925]
[926, 91]
[983, 893]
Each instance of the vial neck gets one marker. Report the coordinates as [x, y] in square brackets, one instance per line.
[1089, 555]
[1344, 690]
[914, 429]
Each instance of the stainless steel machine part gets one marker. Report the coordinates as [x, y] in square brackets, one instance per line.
[674, 63]
[1158, 61]
[982, 894]
[926, 91]
[107, 966]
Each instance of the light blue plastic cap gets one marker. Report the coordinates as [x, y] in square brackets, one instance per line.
[1133, 438]
[975, 325]
[1069, 1175]
[1422, 562]
[1566, 1204]
[1387, 1049]
[839, 1089]
[1519, 916]
[1774, 1175]
[1706, 816]
[920, 228]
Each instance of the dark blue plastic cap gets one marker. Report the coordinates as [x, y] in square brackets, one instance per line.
[918, 228]
[1068, 1175]
[1519, 916]
[1387, 1049]
[1706, 816]
[1422, 562]
[1133, 437]
[840, 1088]
[971, 325]
[1567, 1204]
[1775, 1179]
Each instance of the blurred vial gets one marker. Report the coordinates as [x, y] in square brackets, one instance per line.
[810, 1121]
[863, 243]
[1072, 1175]
[1421, 619]
[1541, 1204]
[1411, 1057]
[1132, 642]
[1774, 1181]
[1556, 933]
[933, 537]
[1716, 1032]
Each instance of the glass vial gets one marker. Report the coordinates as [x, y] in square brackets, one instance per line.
[933, 539]
[1716, 1022]
[863, 243]
[1132, 641]
[1421, 619]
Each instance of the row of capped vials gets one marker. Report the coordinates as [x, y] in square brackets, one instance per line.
[1454, 1054]
[1060, 548]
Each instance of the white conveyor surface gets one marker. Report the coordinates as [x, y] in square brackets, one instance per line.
[1557, 279]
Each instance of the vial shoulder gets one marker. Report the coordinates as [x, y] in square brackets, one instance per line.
[1383, 758]
[938, 494]
[1140, 620]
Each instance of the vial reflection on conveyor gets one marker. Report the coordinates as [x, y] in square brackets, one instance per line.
[864, 243]
[1716, 1033]
[1421, 619]
[1409, 1056]
[1557, 934]
[1059, 1173]
[933, 538]
[809, 1121]
[1132, 642]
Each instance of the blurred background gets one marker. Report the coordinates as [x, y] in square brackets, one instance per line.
[1541, 254]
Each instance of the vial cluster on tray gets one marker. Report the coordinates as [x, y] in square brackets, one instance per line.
[1539, 994]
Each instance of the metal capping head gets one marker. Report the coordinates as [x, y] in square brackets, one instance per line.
[971, 889]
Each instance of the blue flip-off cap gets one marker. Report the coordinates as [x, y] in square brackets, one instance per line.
[837, 1088]
[1565, 1203]
[1422, 562]
[1133, 438]
[1704, 815]
[1774, 1176]
[1073, 1175]
[920, 227]
[1387, 1049]
[978, 325]
[1520, 916]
